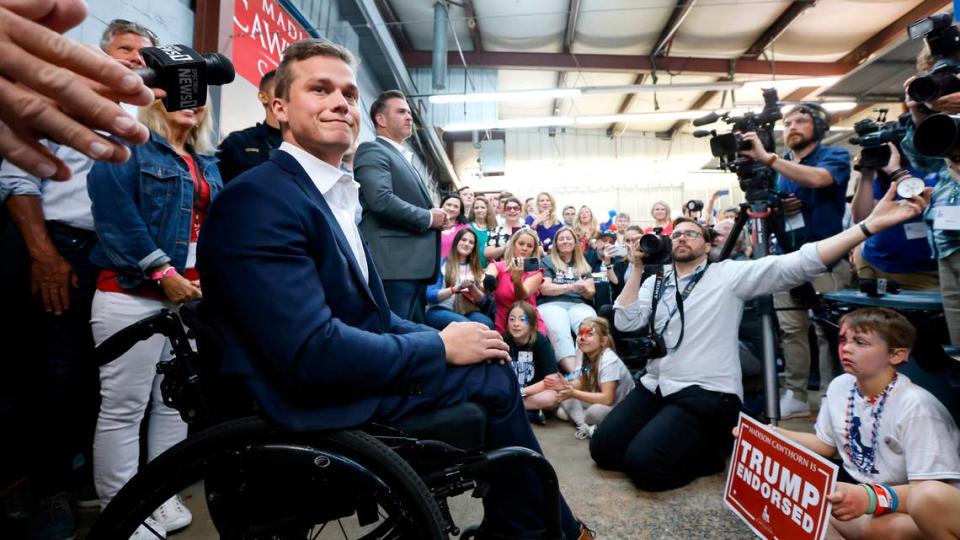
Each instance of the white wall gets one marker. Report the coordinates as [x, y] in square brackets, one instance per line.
[585, 167]
[171, 20]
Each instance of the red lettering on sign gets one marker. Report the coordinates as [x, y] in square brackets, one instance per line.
[262, 30]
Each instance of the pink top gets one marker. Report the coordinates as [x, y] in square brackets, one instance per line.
[504, 298]
[666, 230]
[446, 238]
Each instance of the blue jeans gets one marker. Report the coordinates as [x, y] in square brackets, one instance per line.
[439, 318]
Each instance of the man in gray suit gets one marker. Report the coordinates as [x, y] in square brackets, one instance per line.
[399, 220]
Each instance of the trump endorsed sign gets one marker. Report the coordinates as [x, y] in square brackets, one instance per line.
[778, 487]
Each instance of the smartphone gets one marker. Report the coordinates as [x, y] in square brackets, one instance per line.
[723, 193]
[620, 251]
[531, 264]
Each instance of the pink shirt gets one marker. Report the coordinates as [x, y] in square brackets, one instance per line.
[446, 239]
[504, 297]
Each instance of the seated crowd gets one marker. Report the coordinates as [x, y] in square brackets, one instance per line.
[559, 290]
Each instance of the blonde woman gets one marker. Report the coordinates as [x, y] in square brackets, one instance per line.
[514, 282]
[586, 228]
[147, 214]
[565, 295]
[660, 212]
[545, 222]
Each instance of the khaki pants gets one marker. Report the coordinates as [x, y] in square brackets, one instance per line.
[950, 289]
[909, 281]
[794, 324]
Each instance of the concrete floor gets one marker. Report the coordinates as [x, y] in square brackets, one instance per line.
[607, 501]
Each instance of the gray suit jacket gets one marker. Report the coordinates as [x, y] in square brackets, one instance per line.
[396, 214]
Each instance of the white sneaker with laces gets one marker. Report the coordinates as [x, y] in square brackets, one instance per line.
[584, 432]
[791, 407]
[173, 515]
[149, 530]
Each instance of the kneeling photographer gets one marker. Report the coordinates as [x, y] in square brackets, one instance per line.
[815, 178]
[675, 426]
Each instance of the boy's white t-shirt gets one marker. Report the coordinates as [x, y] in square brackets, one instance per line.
[612, 369]
[918, 439]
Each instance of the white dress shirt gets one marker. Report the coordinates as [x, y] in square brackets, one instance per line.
[342, 194]
[406, 152]
[709, 355]
[67, 201]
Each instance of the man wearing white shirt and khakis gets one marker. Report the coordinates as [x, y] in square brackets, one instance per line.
[400, 222]
[675, 426]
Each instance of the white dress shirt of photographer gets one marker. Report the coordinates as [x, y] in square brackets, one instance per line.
[708, 356]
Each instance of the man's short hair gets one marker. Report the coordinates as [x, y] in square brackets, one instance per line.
[703, 228]
[505, 194]
[122, 26]
[303, 50]
[569, 207]
[267, 80]
[623, 214]
[893, 328]
[381, 103]
[463, 188]
[634, 228]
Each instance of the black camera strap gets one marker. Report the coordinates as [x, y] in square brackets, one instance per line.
[680, 297]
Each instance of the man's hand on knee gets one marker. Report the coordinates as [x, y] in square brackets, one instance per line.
[470, 342]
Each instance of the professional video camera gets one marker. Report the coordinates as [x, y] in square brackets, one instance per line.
[756, 179]
[657, 248]
[184, 74]
[943, 38]
[873, 136]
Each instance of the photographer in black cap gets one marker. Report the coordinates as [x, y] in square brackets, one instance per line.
[815, 178]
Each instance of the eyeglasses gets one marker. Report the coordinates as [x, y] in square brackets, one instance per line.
[512, 208]
[690, 235]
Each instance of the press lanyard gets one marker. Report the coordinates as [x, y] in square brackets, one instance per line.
[680, 297]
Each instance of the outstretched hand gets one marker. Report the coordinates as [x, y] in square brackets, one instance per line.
[889, 212]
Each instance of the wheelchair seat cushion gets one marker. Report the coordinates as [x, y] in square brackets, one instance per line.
[463, 425]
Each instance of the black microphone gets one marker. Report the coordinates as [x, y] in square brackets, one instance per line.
[489, 283]
[700, 133]
[707, 119]
[184, 74]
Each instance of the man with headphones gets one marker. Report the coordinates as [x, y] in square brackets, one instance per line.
[815, 178]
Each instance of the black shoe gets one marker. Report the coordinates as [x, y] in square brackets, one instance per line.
[52, 519]
[537, 417]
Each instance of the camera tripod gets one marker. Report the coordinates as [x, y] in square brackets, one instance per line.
[765, 218]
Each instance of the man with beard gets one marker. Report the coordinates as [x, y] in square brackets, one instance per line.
[815, 177]
[675, 425]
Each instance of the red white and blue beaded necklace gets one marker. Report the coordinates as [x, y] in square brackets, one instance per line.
[865, 459]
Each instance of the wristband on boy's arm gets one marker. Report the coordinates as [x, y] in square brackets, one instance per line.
[873, 499]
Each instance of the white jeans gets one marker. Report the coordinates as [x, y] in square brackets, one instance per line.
[127, 384]
[562, 320]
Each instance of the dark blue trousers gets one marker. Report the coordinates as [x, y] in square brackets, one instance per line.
[515, 502]
[406, 298]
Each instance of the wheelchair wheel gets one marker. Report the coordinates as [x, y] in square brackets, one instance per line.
[263, 483]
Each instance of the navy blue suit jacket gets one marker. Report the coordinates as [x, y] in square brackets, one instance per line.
[315, 342]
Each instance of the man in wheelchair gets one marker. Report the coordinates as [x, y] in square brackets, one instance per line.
[301, 311]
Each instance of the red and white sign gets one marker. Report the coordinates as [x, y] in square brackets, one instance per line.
[778, 487]
[262, 30]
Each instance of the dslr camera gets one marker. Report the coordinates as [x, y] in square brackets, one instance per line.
[694, 205]
[943, 38]
[649, 347]
[657, 248]
[873, 136]
[756, 179]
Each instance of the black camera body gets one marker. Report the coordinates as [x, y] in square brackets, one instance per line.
[184, 74]
[657, 248]
[873, 136]
[756, 179]
[938, 30]
[694, 205]
[649, 347]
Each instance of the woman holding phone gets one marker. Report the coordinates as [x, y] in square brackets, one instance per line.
[457, 295]
[518, 276]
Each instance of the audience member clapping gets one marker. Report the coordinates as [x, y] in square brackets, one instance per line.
[586, 228]
[565, 295]
[458, 296]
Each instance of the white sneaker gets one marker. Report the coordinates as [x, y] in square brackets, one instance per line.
[562, 415]
[584, 432]
[791, 407]
[173, 515]
[149, 530]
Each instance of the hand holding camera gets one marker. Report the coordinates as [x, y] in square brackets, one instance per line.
[756, 151]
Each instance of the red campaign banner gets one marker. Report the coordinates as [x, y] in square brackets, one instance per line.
[778, 487]
[262, 30]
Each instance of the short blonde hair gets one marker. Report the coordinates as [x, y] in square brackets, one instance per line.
[660, 203]
[553, 207]
[200, 138]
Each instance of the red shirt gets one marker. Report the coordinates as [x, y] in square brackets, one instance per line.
[107, 280]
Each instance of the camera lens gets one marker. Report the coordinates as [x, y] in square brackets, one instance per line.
[923, 89]
[937, 135]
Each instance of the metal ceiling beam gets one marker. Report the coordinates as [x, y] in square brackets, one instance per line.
[396, 28]
[573, 15]
[632, 63]
[893, 32]
[778, 27]
[617, 127]
[680, 12]
[473, 24]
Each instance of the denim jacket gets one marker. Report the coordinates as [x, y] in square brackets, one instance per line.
[142, 209]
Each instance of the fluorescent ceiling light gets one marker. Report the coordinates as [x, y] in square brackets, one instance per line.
[519, 95]
[791, 83]
[639, 117]
[549, 121]
[838, 106]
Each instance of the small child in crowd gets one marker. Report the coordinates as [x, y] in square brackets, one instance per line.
[599, 383]
[533, 359]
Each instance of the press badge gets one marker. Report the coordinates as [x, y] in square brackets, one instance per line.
[946, 218]
[794, 222]
[915, 231]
